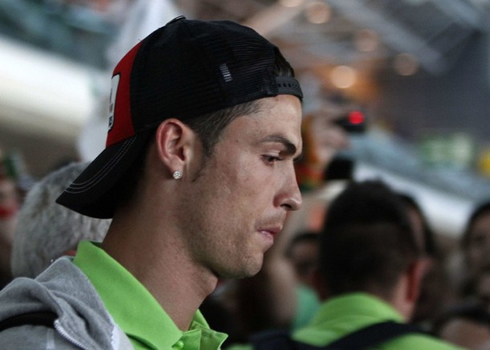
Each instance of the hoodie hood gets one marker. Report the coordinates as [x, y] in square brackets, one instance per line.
[64, 290]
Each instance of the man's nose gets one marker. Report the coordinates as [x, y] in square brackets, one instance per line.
[291, 197]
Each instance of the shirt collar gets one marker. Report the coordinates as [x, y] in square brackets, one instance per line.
[125, 298]
[358, 304]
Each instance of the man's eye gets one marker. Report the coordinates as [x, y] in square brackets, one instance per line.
[271, 159]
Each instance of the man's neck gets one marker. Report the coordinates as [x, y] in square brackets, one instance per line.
[157, 259]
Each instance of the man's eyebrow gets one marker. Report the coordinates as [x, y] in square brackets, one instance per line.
[290, 147]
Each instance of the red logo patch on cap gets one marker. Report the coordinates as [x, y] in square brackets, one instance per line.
[112, 99]
[120, 120]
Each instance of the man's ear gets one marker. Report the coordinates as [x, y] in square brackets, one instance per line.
[416, 272]
[175, 143]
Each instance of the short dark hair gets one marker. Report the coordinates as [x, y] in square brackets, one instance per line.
[367, 241]
[210, 126]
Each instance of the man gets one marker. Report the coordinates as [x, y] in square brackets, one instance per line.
[47, 230]
[370, 271]
[198, 177]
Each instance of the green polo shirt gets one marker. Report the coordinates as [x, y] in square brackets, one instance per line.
[348, 313]
[345, 314]
[135, 310]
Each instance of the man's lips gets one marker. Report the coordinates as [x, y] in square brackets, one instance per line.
[272, 230]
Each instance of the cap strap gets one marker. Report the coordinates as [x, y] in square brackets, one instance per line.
[289, 86]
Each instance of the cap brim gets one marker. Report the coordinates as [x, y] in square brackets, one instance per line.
[95, 191]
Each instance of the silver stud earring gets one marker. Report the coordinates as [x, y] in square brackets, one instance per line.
[177, 174]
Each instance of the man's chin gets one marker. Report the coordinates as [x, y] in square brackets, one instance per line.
[250, 270]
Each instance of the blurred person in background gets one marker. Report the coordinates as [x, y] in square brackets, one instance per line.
[198, 177]
[47, 230]
[14, 182]
[323, 138]
[476, 246]
[468, 322]
[370, 270]
[369, 273]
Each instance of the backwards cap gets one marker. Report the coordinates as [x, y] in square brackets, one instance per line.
[183, 70]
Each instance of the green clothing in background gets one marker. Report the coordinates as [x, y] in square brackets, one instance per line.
[308, 305]
[348, 313]
[135, 310]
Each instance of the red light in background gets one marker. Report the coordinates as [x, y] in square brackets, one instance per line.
[356, 117]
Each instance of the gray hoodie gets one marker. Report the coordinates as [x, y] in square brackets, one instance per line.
[82, 323]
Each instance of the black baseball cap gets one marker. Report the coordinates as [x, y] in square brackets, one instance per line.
[183, 70]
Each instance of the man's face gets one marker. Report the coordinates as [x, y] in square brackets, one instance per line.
[239, 201]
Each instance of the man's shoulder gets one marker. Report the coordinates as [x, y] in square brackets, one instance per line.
[419, 341]
[33, 337]
[384, 335]
[64, 291]
[415, 340]
[59, 280]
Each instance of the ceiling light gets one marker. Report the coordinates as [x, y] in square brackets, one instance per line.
[291, 3]
[366, 40]
[343, 77]
[406, 64]
[317, 12]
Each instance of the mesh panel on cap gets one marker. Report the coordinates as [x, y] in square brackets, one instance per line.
[208, 69]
